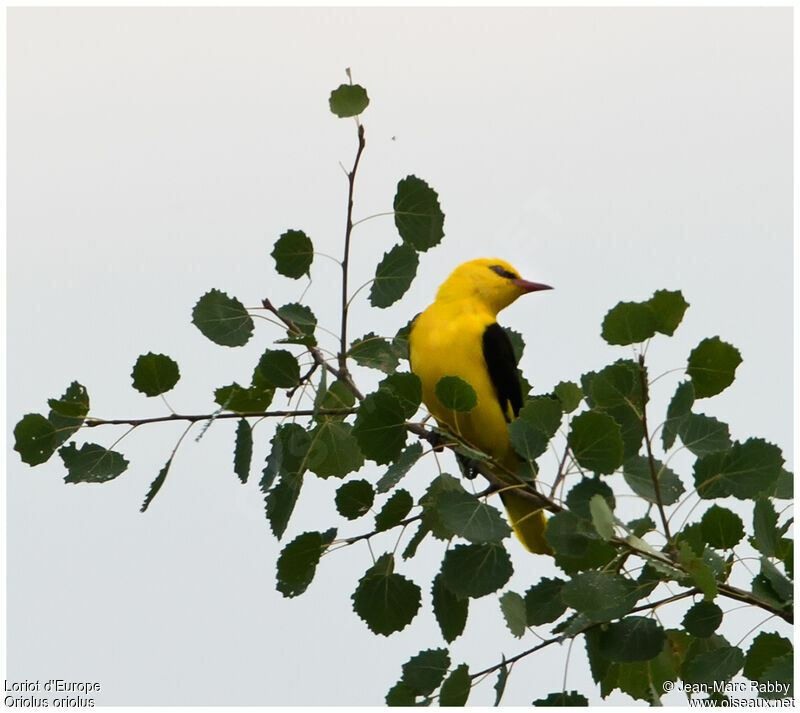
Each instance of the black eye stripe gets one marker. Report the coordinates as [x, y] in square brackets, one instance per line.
[500, 270]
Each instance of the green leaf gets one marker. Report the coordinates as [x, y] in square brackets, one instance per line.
[354, 499]
[517, 343]
[281, 500]
[471, 518]
[393, 275]
[703, 434]
[765, 649]
[348, 100]
[411, 548]
[289, 454]
[784, 488]
[456, 394]
[424, 672]
[35, 439]
[765, 527]
[699, 572]
[68, 412]
[450, 611]
[527, 440]
[703, 619]
[243, 400]
[337, 396]
[154, 374]
[600, 596]
[394, 510]
[407, 388]
[243, 451]
[543, 602]
[279, 368]
[783, 588]
[513, 607]
[669, 308]
[455, 689]
[710, 663]
[629, 323]
[334, 451]
[596, 442]
[476, 570]
[400, 695]
[569, 394]
[721, 528]
[380, 427]
[374, 352]
[572, 699]
[303, 324]
[299, 559]
[544, 413]
[745, 471]
[500, 684]
[634, 638]
[569, 534]
[780, 672]
[386, 601]
[92, 463]
[222, 319]
[617, 384]
[442, 483]
[417, 214]
[155, 486]
[712, 366]
[581, 494]
[400, 340]
[602, 517]
[400, 467]
[678, 409]
[293, 253]
[640, 526]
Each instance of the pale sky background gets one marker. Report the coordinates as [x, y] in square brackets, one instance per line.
[156, 153]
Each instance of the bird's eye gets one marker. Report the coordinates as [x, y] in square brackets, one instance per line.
[500, 270]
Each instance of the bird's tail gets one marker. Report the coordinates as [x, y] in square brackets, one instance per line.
[529, 522]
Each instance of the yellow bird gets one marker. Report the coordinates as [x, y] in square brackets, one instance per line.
[458, 335]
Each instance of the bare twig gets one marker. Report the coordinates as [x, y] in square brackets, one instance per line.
[192, 418]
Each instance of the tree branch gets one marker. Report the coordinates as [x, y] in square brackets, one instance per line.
[351, 180]
[650, 459]
[92, 422]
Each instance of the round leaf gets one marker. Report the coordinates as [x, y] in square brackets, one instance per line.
[380, 427]
[386, 601]
[476, 570]
[455, 689]
[424, 672]
[471, 517]
[374, 352]
[629, 323]
[745, 471]
[712, 366]
[669, 308]
[407, 388]
[702, 619]
[34, 439]
[543, 602]
[293, 253]
[154, 374]
[394, 510]
[355, 498]
[450, 611]
[92, 463]
[348, 100]
[456, 394]
[417, 214]
[635, 638]
[581, 494]
[279, 368]
[569, 394]
[222, 319]
[298, 561]
[721, 528]
[596, 441]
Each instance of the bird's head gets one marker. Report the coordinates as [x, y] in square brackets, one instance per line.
[491, 281]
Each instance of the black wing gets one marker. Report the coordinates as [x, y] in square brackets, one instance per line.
[499, 356]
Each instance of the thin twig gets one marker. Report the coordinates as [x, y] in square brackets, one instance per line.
[650, 459]
[192, 418]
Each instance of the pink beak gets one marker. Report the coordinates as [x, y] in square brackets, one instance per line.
[530, 286]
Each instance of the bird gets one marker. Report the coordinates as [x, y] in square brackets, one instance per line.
[458, 335]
